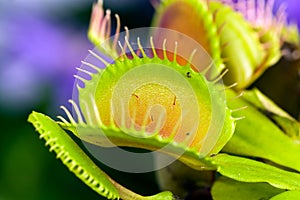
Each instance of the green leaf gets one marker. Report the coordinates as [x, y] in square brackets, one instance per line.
[80, 164]
[72, 155]
[287, 123]
[258, 136]
[228, 189]
[247, 170]
[289, 195]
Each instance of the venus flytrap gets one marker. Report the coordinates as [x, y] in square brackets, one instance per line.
[160, 91]
[80, 164]
[248, 27]
[120, 104]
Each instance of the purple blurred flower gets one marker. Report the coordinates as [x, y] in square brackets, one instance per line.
[36, 55]
[293, 10]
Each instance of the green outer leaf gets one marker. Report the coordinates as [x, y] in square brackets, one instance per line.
[289, 195]
[258, 136]
[244, 51]
[287, 123]
[81, 165]
[72, 156]
[247, 170]
[228, 189]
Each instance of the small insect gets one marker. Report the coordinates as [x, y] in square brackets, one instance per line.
[188, 74]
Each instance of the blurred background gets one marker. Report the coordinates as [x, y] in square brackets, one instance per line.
[41, 43]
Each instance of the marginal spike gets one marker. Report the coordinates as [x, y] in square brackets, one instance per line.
[239, 118]
[91, 65]
[206, 70]
[175, 51]
[117, 33]
[123, 53]
[238, 96]
[84, 71]
[51, 140]
[127, 35]
[102, 31]
[80, 78]
[239, 109]
[140, 47]
[78, 87]
[60, 154]
[220, 76]
[192, 56]
[73, 122]
[152, 47]
[98, 57]
[64, 120]
[130, 47]
[43, 135]
[53, 147]
[164, 49]
[77, 111]
[108, 30]
[230, 86]
[96, 18]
